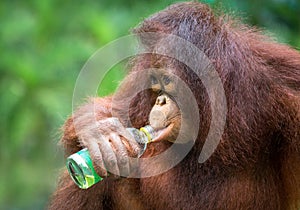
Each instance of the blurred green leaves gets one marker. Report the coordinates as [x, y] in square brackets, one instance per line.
[44, 45]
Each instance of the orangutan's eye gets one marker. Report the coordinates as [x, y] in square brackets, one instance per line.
[153, 80]
[166, 80]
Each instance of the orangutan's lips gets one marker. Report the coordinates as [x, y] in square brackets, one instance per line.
[162, 133]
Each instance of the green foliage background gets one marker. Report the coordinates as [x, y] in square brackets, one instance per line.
[44, 44]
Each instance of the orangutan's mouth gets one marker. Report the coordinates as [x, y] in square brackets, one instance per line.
[162, 133]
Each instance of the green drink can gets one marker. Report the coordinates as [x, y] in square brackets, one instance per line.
[81, 169]
[80, 165]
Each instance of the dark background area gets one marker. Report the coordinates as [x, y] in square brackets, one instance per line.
[44, 45]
